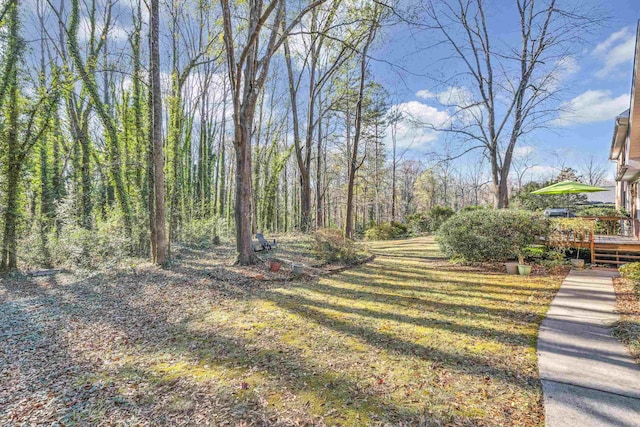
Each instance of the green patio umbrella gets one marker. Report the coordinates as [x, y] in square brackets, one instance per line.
[568, 187]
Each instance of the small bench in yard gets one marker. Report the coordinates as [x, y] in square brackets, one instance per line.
[263, 244]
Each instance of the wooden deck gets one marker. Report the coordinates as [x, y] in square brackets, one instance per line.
[609, 239]
[600, 239]
[615, 250]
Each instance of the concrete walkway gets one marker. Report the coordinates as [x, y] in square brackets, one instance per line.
[588, 377]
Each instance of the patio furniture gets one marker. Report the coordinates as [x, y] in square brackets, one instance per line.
[263, 244]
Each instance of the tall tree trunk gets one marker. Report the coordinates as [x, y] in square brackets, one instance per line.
[222, 153]
[319, 189]
[353, 164]
[155, 97]
[246, 255]
[302, 160]
[9, 79]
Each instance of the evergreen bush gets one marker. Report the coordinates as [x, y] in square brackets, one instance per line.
[491, 235]
[386, 231]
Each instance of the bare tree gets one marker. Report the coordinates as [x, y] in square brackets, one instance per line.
[593, 170]
[248, 66]
[511, 89]
[394, 117]
[354, 164]
[319, 66]
[521, 165]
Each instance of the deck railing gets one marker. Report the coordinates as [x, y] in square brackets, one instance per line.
[612, 225]
[581, 232]
[573, 233]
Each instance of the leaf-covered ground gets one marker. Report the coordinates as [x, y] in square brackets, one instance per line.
[405, 340]
[627, 329]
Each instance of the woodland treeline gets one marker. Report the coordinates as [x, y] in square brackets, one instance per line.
[133, 126]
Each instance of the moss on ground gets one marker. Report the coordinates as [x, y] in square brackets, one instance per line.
[407, 339]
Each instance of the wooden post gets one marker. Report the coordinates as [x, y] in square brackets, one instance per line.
[592, 243]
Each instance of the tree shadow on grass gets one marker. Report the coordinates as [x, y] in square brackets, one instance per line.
[434, 274]
[152, 314]
[421, 302]
[473, 365]
[151, 334]
[444, 287]
[453, 325]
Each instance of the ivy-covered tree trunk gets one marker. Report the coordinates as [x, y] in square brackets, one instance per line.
[9, 258]
[13, 167]
[102, 111]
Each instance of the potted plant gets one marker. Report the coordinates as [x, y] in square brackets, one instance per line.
[275, 264]
[577, 262]
[512, 267]
[523, 268]
[574, 232]
[297, 268]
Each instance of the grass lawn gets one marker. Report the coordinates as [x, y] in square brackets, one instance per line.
[407, 339]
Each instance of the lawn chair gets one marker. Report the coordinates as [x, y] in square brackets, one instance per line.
[264, 245]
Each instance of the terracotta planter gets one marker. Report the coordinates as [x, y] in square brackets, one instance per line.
[275, 265]
[524, 270]
[512, 267]
[577, 263]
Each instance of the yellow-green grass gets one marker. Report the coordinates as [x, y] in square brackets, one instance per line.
[408, 339]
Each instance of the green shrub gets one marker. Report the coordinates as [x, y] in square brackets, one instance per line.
[201, 234]
[417, 224]
[386, 231]
[535, 252]
[78, 247]
[630, 271]
[329, 245]
[438, 216]
[491, 235]
[600, 210]
[473, 208]
[553, 258]
[428, 222]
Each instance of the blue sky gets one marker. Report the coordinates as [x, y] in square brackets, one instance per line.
[596, 85]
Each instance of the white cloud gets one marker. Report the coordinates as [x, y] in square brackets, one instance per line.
[452, 96]
[425, 94]
[592, 106]
[568, 66]
[522, 151]
[563, 69]
[458, 102]
[416, 123]
[616, 50]
[422, 113]
[455, 96]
